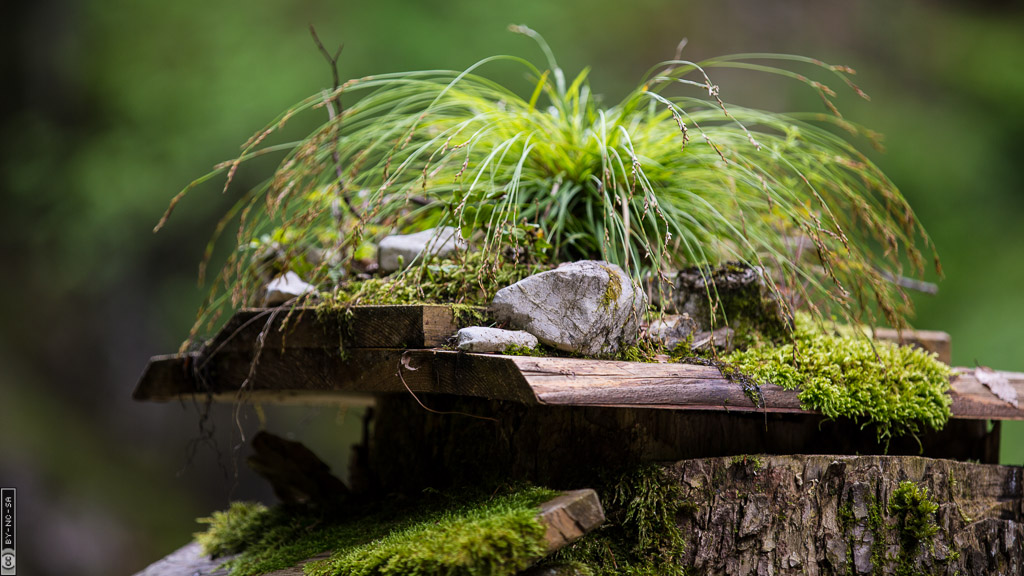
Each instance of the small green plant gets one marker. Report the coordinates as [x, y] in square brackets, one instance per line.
[659, 181]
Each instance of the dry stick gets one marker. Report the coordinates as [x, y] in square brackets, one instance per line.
[331, 114]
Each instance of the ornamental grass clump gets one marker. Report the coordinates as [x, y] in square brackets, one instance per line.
[670, 177]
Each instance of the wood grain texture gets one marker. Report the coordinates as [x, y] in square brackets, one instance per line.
[580, 382]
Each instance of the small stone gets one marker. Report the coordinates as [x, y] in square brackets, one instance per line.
[676, 329]
[480, 339]
[585, 307]
[399, 251]
[285, 288]
[672, 329]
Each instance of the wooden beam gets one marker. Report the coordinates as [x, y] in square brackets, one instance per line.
[317, 374]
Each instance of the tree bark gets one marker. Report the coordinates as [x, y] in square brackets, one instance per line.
[825, 515]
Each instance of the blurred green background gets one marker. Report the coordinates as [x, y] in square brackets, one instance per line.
[109, 108]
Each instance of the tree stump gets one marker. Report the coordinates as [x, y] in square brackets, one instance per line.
[835, 515]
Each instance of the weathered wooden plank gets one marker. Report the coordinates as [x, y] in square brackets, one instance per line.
[930, 340]
[348, 356]
[315, 374]
[580, 382]
[419, 326]
[972, 399]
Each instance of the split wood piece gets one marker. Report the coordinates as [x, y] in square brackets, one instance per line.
[567, 518]
[570, 516]
[314, 375]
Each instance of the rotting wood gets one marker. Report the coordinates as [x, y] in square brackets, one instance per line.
[567, 518]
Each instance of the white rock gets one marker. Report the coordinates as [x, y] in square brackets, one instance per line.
[586, 307]
[480, 339]
[395, 252]
[284, 288]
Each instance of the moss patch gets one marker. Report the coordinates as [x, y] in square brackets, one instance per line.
[612, 290]
[898, 389]
[471, 280]
[440, 534]
[914, 510]
[641, 535]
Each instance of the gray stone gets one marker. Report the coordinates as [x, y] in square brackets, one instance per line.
[672, 329]
[285, 288]
[399, 251]
[481, 339]
[675, 329]
[586, 307]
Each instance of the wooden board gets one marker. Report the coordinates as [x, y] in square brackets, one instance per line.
[350, 357]
[566, 518]
[420, 326]
[318, 376]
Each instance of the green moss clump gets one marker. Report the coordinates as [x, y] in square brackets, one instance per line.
[641, 536]
[516, 350]
[898, 389]
[472, 279]
[914, 510]
[229, 531]
[440, 534]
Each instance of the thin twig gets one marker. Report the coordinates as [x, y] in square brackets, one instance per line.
[332, 114]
